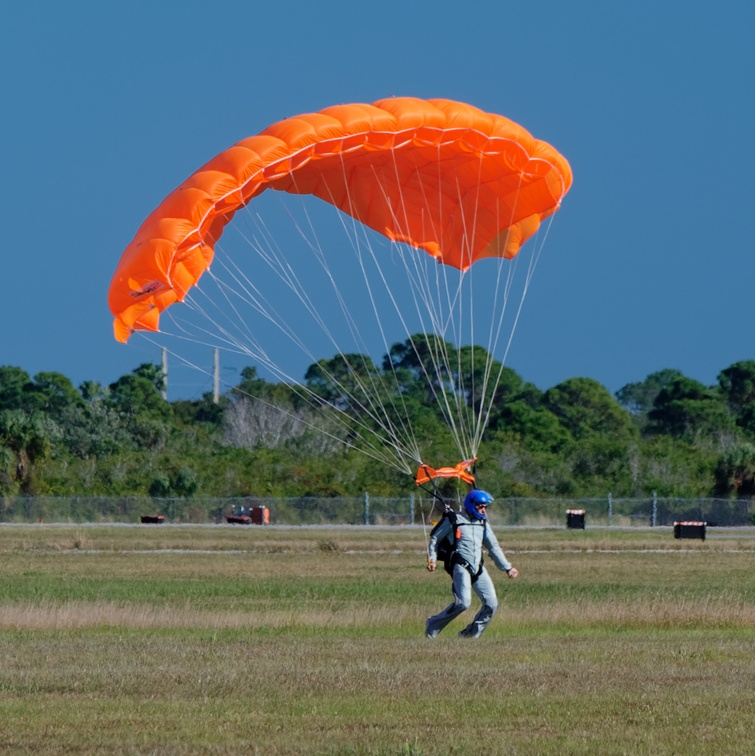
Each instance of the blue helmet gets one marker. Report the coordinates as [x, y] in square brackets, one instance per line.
[475, 497]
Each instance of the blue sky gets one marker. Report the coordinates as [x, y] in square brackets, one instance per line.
[107, 106]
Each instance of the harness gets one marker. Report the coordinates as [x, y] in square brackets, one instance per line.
[447, 551]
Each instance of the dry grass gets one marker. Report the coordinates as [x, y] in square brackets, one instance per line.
[86, 615]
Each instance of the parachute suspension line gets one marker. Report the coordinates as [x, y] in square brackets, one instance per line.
[429, 307]
[491, 344]
[262, 306]
[415, 266]
[282, 267]
[424, 528]
[397, 394]
[295, 285]
[419, 283]
[418, 286]
[374, 398]
[441, 378]
[532, 264]
[220, 335]
[468, 237]
[295, 417]
[472, 433]
[377, 451]
[444, 371]
[487, 399]
[247, 292]
[433, 306]
[442, 283]
[480, 391]
[406, 432]
[192, 303]
[488, 389]
[404, 255]
[238, 323]
[537, 248]
[490, 382]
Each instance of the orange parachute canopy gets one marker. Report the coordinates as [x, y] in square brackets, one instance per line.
[442, 176]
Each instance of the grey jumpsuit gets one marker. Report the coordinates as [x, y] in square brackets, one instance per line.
[473, 535]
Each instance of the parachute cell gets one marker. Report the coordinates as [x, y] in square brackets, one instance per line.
[439, 175]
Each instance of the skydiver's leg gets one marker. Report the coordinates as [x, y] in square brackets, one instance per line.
[462, 588]
[485, 589]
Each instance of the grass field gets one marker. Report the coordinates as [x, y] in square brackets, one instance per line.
[179, 639]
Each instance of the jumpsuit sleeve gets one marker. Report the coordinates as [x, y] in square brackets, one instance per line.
[441, 531]
[491, 544]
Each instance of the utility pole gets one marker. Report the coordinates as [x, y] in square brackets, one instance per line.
[216, 378]
[165, 374]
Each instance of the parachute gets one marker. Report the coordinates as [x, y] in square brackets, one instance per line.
[437, 178]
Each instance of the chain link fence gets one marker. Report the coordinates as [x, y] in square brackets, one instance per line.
[366, 510]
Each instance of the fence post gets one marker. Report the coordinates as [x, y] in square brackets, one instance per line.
[366, 508]
[411, 508]
[654, 511]
[610, 508]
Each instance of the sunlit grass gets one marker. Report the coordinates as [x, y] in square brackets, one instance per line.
[223, 640]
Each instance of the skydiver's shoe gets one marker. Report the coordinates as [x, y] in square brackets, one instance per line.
[432, 634]
[466, 634]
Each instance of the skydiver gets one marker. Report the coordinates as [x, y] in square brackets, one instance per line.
[472, 533]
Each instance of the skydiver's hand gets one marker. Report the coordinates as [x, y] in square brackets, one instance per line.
[430, 565]
[513, 573]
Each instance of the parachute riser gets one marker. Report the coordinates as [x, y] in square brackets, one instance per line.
[427, 474]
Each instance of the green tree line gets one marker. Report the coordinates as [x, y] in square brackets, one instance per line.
[667, 434]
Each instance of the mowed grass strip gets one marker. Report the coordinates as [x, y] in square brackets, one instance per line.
[312, 642]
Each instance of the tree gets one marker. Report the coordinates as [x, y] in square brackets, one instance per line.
[91, 391]
[27, 437]
[138, 393]
[600, 464]
[152, 373]
[251, 384]
[250, 422]
[419, 364]
[638, 398]
[735, 472]
[476, 375]
[95, 430]
[585, 408]
[181, 482]
[204, 411]
[140, 407]
[519, 409]
[537, 426]
[52, 393]
[674, 467]
[13, 386]
[687, 409]
[737, 385]
[516, 467]
[348, 382]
